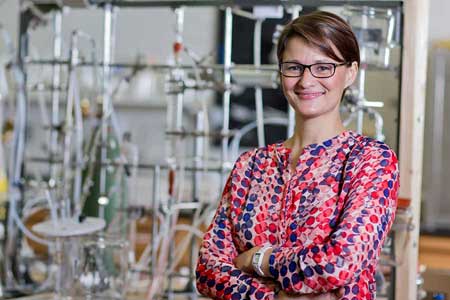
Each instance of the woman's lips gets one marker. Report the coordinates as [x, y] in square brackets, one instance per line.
[309, 95]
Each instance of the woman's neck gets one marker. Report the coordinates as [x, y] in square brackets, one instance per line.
[312, 131]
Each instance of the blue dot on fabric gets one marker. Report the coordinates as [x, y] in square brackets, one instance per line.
[384, 162]
[244, 183]
[293, 226]
[253, 197]
[295, 278]
[329, 268]
[292, 267]
[283, 271]
[228, 291]
[246, 217]
[259, 295]
[236, 296]
[386, 192]
[278, 189]
[318, 269]
[355, 290]
[220, 286]
[274, 199]
[235, 272]
[286, 282]
[203, 279]
[328, 143]
[386, 154]
[241, 192]
[293, 237]
[309, 272]
[220, 244]
[280, 181]
[225, 268]
[390, 184]
[274, 272]
[315, 250]
[242, 289]
[249, 223]
[272, 259]
[248, 235]
[249, 207]
[211, 283]
[220, 234]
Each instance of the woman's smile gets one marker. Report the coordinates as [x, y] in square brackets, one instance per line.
[309, 95]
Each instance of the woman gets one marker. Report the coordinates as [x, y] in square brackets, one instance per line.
[305, 219]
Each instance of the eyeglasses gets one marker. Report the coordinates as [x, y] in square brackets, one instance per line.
[319, 70]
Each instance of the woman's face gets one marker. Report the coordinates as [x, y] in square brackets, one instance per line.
[309, 96]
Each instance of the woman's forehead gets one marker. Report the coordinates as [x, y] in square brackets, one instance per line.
[298, 46]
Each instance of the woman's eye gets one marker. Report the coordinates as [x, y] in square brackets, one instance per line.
[294, 68]
[323, 68]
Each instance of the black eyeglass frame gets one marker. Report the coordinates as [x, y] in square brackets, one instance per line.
[335, 65]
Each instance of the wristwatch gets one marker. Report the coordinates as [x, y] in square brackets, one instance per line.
[257, 260]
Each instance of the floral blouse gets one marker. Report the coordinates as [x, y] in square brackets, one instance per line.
[326, 221]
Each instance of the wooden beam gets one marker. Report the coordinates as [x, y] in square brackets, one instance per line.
[415, 49]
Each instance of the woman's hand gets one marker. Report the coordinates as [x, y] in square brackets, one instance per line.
[244, 260]
[336, 295]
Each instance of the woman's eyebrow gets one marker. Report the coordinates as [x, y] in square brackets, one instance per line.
[317, 61]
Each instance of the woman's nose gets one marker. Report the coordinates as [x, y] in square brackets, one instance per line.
[307, 79]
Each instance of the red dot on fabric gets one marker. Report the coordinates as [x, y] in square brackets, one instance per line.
[373, 219]
[272, 239]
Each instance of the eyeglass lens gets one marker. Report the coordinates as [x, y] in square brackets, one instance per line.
[292, 69]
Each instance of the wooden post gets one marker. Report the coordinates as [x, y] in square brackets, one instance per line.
[415, 49]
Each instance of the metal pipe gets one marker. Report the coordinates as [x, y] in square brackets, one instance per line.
[178, 75]
[108, 46]
[155, 209]
[139, 166]
[55, 93]
[437, 135]
[362, 78]
[296, 9]
[227, 82]
[151, 66]
[243, 3]
[67, 171]
[258, 90]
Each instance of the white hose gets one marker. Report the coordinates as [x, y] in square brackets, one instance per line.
[250, 126]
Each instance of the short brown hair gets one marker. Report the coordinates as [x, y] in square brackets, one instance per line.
[318, 29]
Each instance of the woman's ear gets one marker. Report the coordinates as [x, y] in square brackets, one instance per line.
[352, 71]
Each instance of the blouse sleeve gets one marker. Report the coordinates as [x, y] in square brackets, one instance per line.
[367, 216]
[217, 277]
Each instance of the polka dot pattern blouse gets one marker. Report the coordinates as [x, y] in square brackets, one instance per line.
[326, 221]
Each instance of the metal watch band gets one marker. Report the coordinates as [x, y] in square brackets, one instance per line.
[257, 260]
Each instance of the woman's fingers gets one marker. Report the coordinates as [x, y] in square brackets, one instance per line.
[336, 295]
